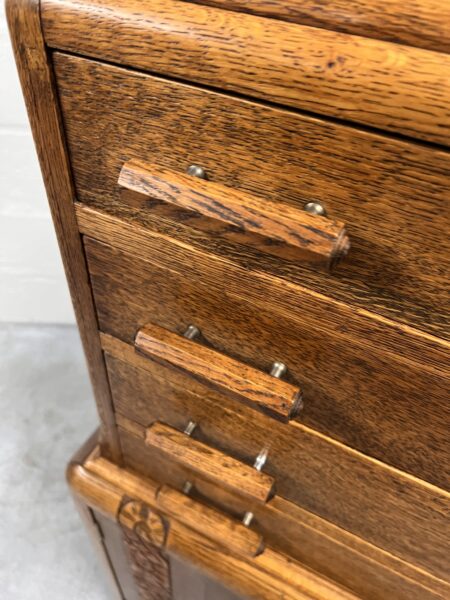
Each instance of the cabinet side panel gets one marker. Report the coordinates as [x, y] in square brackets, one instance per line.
[35, 72]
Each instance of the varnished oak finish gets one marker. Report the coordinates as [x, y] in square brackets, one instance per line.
[376, 404]
[209, 462]
[321, 475]
[288, 233]
[258, 389]
[264, 576]
[393, 196]
[36, 77]
[356, 486]
[422, 23]
[389, 86]
[394, 578]
[214, 525]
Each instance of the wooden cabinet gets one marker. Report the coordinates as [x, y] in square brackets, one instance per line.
[251, 201]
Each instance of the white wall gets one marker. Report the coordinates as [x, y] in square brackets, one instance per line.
[32, 283]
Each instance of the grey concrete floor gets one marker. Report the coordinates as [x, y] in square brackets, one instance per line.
[47, 411]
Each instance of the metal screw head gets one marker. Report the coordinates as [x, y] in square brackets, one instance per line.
[187, 487]
[315, 208]
[248, 518]
[197, 171]
[261, 459]
[191, 332]
[190, 427]
[278, 369]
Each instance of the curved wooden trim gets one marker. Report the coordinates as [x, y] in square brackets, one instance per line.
[380, 84]
[422, 23]
[323, 546]
[35, 71]
[105, 487]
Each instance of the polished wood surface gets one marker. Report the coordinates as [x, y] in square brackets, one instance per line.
[263, 576]
[258, 389]
[36, 76]
[215, 526]
[297, 108]
[289, 233]
[315, 542]
[350, 558]
[393, 196]
[319, 311]
[375, 83]
[374, 404]
[209, 462]
[422, 23]
[321, 475]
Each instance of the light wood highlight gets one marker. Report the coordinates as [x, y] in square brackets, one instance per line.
[264, 577]
[210, 523]
[286, 232]
[241, 576]
[97, 493]
[318, 474]
[384, 85]
[392, 194]
[270, 395]
[422, 23]
[210, 463]
[320, 548]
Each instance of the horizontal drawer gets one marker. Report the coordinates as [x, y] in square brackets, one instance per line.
[391, 409]
[324, 559]
[384, 85]
[340, 558]
[391, 195]
[303, 467]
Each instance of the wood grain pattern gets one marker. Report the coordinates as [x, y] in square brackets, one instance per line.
[261, 582]
[391, 195]
[209, 462]
[270, 395]
[384, 85]
[298, 582]
[151, 569]
[352, 389]
[319, 475]
[288, 299]
[422, 23]
[317, 543]
[292, 234]
[36, 76]
[211, 523]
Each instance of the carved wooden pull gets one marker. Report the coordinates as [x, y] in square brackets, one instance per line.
[211, 523]
[260, 390]
[210, 463]
[283, 231]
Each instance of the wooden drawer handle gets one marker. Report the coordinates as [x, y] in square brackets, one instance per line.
[211, 523]
[283, 231]
[260, 390]
[210, 463]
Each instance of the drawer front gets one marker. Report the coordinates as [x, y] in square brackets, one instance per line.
[325, 557]
[392, 195]
[394, 411]
[309, 470]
